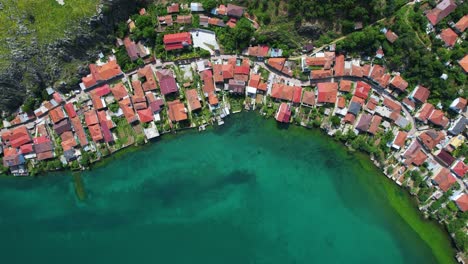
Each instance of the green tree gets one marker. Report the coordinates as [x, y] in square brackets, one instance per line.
[208, 5]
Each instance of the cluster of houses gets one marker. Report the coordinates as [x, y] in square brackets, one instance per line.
[364, 96]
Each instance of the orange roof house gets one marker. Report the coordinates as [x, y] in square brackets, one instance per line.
[284, 113]
[462, 202]
[177, 111]
[308, 98]
[420, 94]
[57, 115]
[462, 24]
[464, 63]
[17, 137]
[146, 115]
[258, 51]
[449, 37]
[173, 8]
[68, 140]
[96, 134]
[431, 138]
[101, 73]
[391, 36]
[119, 91]
[339, 65]
[345, 86]
[374, 125]
[78, 127]
[444, 179]
[423, 114]
[282, 92]
[438, 118]
[177, 41]
[127, 109]
[376, 72]
[320, 74]
[212, 99]
[460, 169]
[399, 83]
[399, 140]
[91, 118]
[192, 99]
[443, 9]
[149, 83]
[362, 90]
[327, 92]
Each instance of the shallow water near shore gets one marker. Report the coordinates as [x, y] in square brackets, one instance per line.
[248, 192]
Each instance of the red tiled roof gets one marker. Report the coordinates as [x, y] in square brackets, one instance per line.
[371, 104]
[262, 86]
[150, 82]
[97, 102]
[449, 37]
[277, 63]
[173, 8]
[284, 113]
[349, 118]
[341, 102]
[177, 41]
[91, 118]
[184, 19]
[57, 97]
[438, 118]
[391, 36]
[345, 86]
[127, 109]
[212, 99]
[254, 80]
[327, 92]
[424, 112]
[400, 139]
[101, 73]
[319, 74]
[95, 131]
[421, 94]
[78, 127]
[192, 99]
[243, 69]
[443, 9]
[57, 114]
[462, 202]
[444, 179]
[339, 65]
[362, 90]
[308, 98]
[462, 24]
[258, 51]
[399, 83]
[119, 91]
[282, 91]
[297, 93]
[68, 140]
[208, 84]
[460, 169]
[177, 111]
[376, 73]
[146, 115]
[70, 110]
[392, 105]
[103, 117]
[375, 123]
[45, 155]
[19, 136]
[102, 90]
[431, 138]
[25, 149]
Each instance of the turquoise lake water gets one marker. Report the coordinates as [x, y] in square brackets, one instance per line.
[248, 192]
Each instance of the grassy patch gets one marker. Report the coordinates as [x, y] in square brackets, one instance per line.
[44, 20]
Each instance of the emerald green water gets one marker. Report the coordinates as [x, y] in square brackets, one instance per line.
[248, 192]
